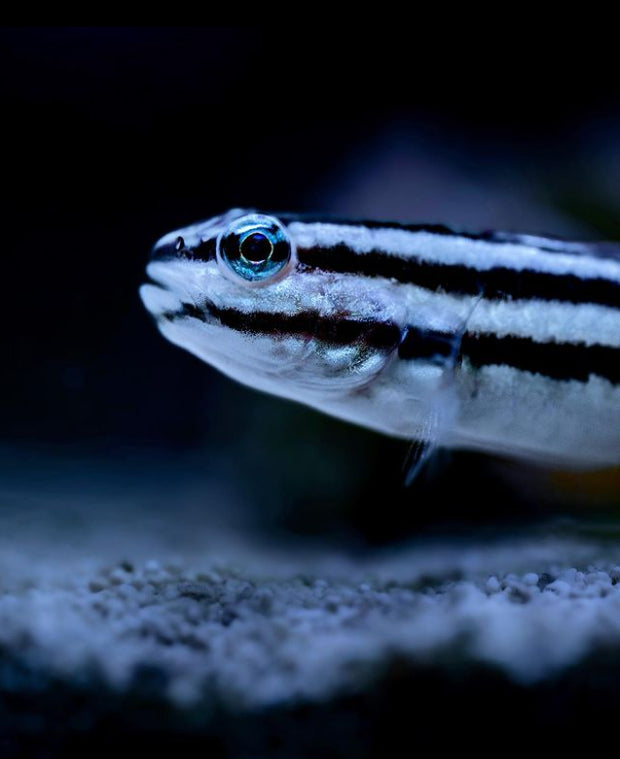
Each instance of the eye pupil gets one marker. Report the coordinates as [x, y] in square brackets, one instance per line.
[256, 247]
[179, 244]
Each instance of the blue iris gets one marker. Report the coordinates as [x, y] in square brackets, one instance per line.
[254, 247]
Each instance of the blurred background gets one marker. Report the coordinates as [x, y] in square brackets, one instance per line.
[113, 137]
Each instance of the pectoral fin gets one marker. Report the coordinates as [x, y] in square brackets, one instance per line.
[438, 343]
[418, 455]
[422, 450]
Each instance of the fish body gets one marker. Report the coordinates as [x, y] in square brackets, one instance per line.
[487, 341]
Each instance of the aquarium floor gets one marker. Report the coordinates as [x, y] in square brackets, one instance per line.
[143, 629]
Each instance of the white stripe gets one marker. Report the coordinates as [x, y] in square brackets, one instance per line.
[542, 321]
[448, 249]
[508, 410]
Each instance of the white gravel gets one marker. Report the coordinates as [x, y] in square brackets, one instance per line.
[254, 625]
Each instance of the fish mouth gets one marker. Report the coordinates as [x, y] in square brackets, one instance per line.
[165, 276]
[164, 297]
[165, 306]
[158, 300]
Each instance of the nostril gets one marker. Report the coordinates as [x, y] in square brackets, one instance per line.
[168, 247]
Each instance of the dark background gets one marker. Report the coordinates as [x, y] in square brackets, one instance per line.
[113, 137]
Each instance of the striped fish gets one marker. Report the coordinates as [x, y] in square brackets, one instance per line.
[492, 341]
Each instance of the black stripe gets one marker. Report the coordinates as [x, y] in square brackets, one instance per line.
[428, 344]
[203, 252]
[338, 331]
[499, 283]
[562, 361]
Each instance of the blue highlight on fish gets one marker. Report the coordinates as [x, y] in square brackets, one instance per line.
[493, 341]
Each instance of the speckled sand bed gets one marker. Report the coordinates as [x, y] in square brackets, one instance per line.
[255, 626]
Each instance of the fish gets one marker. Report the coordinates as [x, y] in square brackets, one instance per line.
[488, 341]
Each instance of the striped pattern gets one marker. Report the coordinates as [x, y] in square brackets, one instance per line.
[494, 307]
[498, 283]
[479, 252]
[499, 268]
[560, 361]
[556, 360]
[542, 269]
[308, 324]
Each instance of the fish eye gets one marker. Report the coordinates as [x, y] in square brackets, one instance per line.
[254, 247]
